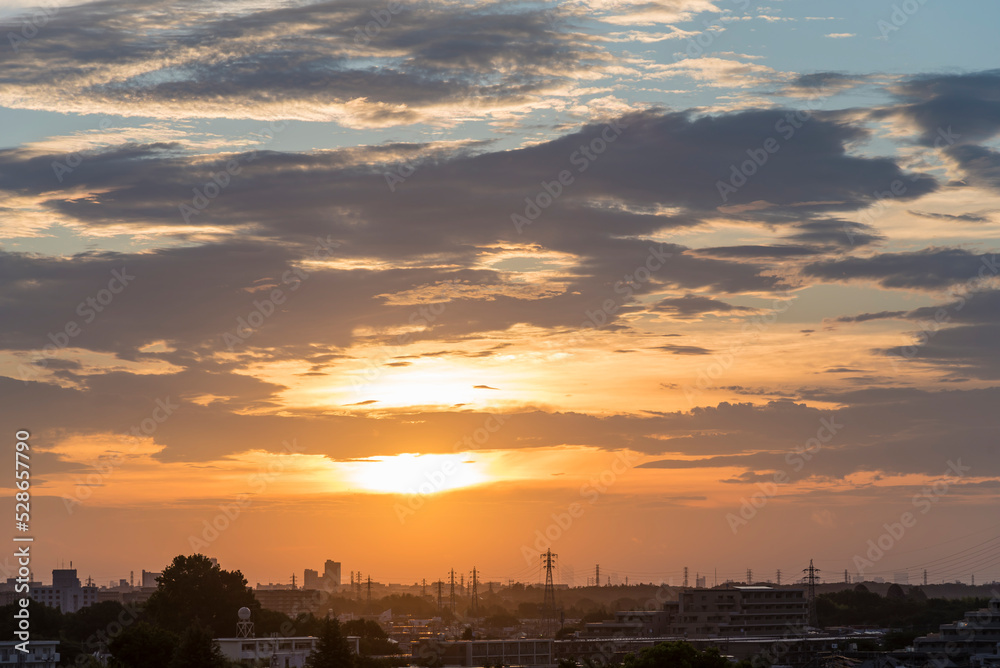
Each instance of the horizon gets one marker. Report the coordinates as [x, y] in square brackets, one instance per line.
[419, 285]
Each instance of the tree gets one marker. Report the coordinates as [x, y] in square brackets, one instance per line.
[194, 588]
[197, 649]
[142, 645]
[675, 654]
[333, 650]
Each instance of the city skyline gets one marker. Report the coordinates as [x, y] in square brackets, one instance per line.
[451, 283]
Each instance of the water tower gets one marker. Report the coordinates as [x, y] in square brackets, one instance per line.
[244, 627]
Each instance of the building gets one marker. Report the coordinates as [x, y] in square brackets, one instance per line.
[65, 593]
[149, 579]
[632, 623]
[977, 634]
[292, 602]
[523, 652]
[284, 652]
[41, 654]
[756, 610]
[331, 572]
[310, 579]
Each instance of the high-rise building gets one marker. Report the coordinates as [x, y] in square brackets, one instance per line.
[331, 572]
[311, 580]
[65, 593]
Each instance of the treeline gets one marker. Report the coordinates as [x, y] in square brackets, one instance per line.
[194, 603]
[911, 615]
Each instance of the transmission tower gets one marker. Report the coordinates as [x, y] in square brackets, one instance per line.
[475, 593]
[811, 578]
[453, 590]
[749, 576]
[779, 576]
[597, 576]
[369, 594]
[440, 584]
[925, 577]
[549, 600]
[474, 608]
[423, 587]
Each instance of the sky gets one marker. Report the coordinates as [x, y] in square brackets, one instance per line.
[421, 285]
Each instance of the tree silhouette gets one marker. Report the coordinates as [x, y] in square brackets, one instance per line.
[333, 650]
[197, 649]
[142, 646]
[194, 588]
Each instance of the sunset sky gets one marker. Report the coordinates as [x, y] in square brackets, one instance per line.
[412, 284]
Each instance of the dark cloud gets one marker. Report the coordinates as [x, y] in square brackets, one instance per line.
[962, 108]
[930, 269]
[694, 305]
[346, 61]
[684, 350]
[752, 252]
[963, 217]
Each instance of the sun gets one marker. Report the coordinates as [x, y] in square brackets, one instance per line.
[417, 474]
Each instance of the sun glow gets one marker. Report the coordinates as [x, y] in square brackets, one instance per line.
[418, 474]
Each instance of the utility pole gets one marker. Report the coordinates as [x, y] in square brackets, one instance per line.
[549, 599]
[811, 578]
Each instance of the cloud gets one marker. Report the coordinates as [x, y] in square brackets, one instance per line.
[691, 305]
[966, 104]
[929, 269]
[338, 61]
